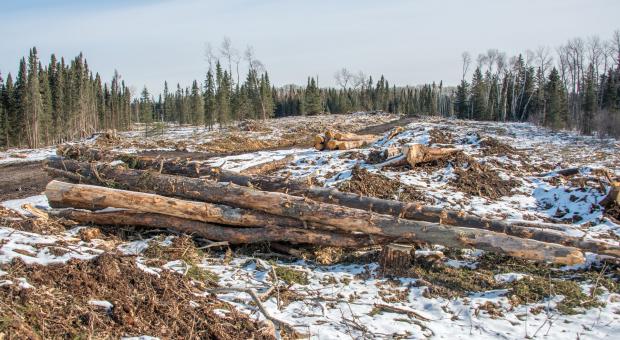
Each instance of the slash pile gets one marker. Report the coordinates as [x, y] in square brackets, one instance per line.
[243, 208]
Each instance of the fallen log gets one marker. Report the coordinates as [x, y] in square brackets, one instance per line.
[349, 137]
[418, 153]
[342, 218]
[545, 232]
[334, 144]
[62, 195]
[218, 232]
[268, 167]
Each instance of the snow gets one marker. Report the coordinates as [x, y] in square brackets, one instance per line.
[39, 201]
[12, 156]
[340, 301]
[107, 305]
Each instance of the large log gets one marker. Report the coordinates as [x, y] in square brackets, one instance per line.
[218, 232]
[418, 153]
[334, 144]
[545, 232]
[61, 195]
[339, 217]
[346, 136]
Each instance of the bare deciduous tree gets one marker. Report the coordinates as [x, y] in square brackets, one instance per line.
[466, 58]
[343, 77]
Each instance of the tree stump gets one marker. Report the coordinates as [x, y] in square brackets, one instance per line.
[396, 259]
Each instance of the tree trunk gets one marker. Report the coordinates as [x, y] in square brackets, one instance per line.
[218, 232]
[545, 232]
[396, 259]
[61, 195]
[341, 218]
[334, 144]
[418, 153]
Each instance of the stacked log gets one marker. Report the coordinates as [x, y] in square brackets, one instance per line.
[81, 172]
[238, 212]
[335, 140]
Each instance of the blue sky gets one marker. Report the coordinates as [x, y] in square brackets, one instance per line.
[410, 41]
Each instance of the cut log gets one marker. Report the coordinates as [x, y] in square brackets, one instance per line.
[613, 197]
[394, 132]
[418, 153]
[396, 259]
[334, 144]
[61, 195]
[342, 218]
[268, 167]
[318, 139]
[343, 136]
[545, 232]
[218, 232]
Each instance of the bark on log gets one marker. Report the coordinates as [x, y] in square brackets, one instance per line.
[418, 153]
[544, 232]
[218, 232]
[396, 259]
[341, 218]
[350, 137]
[268, 167]
[61, 195]
[334, 144]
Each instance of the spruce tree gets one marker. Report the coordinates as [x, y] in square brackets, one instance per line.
[312, 98]
[555, 102]
[210, 109]
[478, 94]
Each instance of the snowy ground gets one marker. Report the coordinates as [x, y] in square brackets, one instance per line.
[345, 300]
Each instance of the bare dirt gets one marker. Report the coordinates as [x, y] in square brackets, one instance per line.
[22, 180]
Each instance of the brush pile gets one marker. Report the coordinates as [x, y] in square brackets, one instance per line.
[242, 208]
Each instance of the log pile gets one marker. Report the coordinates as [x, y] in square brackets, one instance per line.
[335, 140]
[248, 208]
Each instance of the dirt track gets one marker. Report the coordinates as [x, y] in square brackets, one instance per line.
[22, 180]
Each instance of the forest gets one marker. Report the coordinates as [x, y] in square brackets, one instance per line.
[575, 86]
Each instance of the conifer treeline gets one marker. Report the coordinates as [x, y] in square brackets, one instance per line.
[57, 102]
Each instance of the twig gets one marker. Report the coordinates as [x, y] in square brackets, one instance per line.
[409, 312]
[278, 324]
